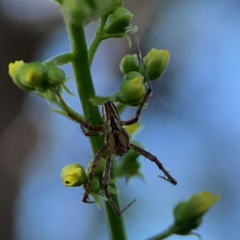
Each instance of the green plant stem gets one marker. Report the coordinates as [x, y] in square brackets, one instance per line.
[99, 100]
[94, 45]
[97, 39]
[59, 60]
[168, 232]
[81, 69]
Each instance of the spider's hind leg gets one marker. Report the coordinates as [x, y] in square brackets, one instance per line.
[96, 160]
[152, 158]
[105, 180]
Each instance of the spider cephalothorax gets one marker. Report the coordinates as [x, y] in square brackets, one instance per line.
[116, 137]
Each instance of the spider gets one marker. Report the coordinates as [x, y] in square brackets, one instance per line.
[117, 141]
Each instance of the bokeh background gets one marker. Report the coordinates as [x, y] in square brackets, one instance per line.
[191, 124]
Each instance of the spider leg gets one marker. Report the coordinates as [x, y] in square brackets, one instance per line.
[75, 117]
[105, 180]
[152, 158]
[138, 113]
[96, 160]
[147, 93]
[92, 133]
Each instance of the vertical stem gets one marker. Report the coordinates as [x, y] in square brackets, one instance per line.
[82, 74]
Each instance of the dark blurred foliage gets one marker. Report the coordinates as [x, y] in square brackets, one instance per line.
[18, 135]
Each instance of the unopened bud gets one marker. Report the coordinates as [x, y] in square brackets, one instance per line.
[131, 92]
[73, 175]
[129, 63]
[156, 62]
[118, 21]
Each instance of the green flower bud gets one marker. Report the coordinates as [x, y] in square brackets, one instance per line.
[188, 215]
[131, 92]
[55, 76]
[32, 74]
[82, 11]
[73, 175]
[129, 63]
[13, 70]
[99, 169]
[132, 75]
[118, 21]
[156, 62]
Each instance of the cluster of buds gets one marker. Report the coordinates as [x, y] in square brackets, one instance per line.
[132, 90]
[35, 76]
[156, 61]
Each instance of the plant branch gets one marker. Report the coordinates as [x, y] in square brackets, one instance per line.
[163, 235]
[81, 69]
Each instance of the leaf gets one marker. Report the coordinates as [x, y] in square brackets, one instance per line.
[67, 90]
[96, 199]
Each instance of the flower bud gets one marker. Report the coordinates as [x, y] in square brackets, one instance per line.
[129, 63]
[33, 74]
[118, 21]
[13, 70]
[73, 175]
[156, 62]
[131, 91]
[55, 76]
[188, 215]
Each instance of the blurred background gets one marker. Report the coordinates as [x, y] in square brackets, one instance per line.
[191, 124]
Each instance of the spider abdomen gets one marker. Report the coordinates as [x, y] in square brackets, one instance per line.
[118, 141]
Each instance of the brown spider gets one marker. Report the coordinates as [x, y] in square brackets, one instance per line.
[117, 141]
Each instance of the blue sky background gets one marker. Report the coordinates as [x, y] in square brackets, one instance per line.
[191, 124]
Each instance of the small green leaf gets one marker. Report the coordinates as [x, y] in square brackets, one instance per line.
[112, 190]
[67, 90]
[96, 199]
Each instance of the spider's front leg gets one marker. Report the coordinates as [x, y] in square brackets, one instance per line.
[96, 160]
[146, 95]
[91, 133]
[138, 113]
[77, 118]
[152, 158]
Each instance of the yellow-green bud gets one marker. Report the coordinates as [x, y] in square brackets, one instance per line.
[32, 74]
[132, 75]
[131, 92]
[118, 21]
[13, 70]
[99, 169]
[73, 175]
[55, 76]
[188, 215]
[156, 62]
[129, 63]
